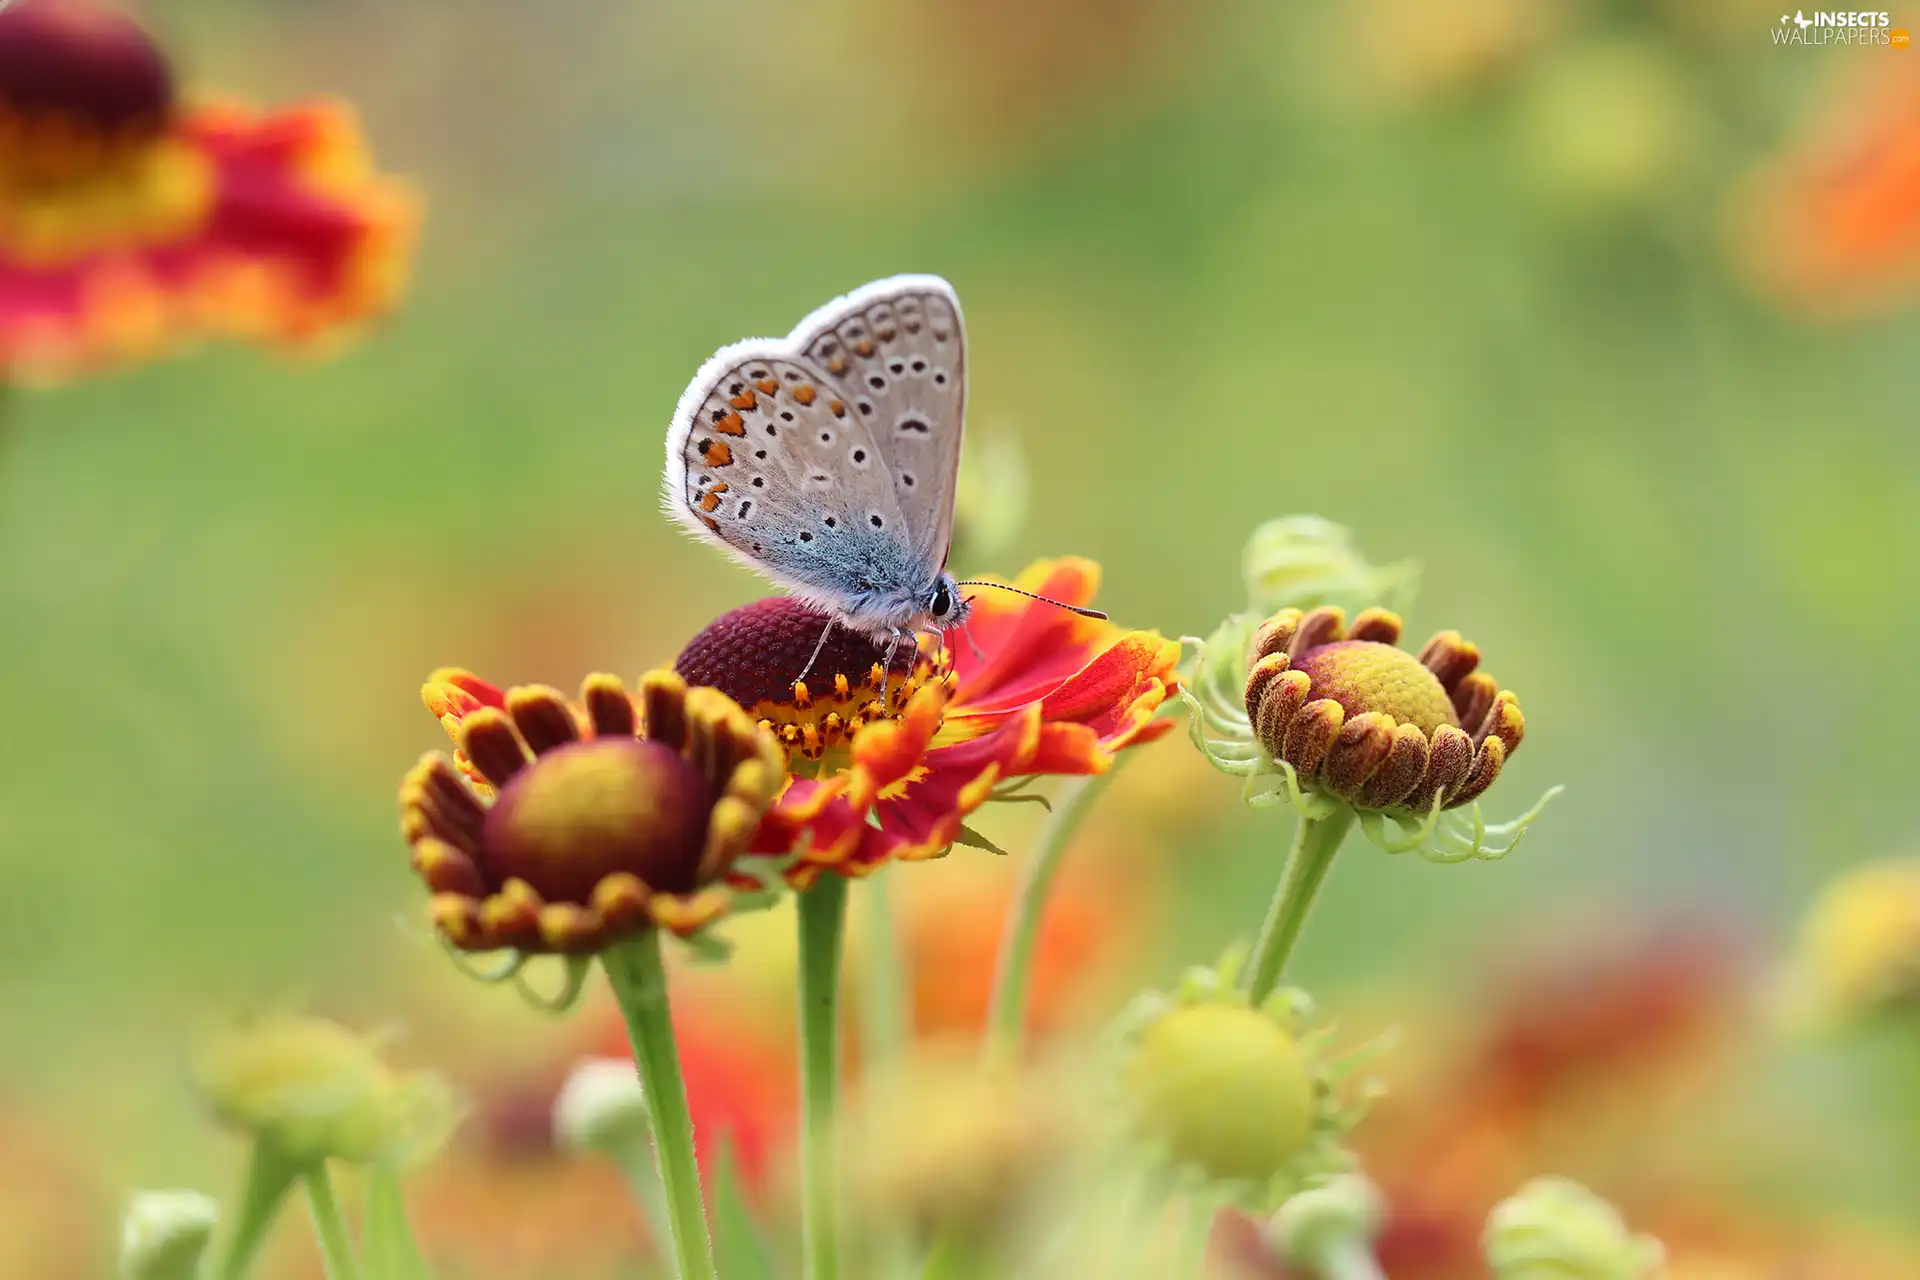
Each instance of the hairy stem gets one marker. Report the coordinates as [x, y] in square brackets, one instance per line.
[639, 981]
[1315, 841]
[336, 1247]
[270, 1175]
[823, 909]
[1013, 967]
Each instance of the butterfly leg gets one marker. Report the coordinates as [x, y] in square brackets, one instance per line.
[806, 670]
[886, 669]
[972, 644]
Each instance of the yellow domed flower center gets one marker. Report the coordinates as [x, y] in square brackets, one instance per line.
[1225, 1087]
[1364, 676]
[585, 811]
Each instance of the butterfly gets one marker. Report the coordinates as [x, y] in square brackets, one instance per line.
[827, 460]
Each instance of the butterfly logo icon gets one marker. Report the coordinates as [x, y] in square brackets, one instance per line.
[827, 460]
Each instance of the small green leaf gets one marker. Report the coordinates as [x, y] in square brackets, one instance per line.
[742, 1251]
[974, 840]
[387, 1241]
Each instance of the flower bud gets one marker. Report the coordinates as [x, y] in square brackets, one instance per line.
[1556, 1229]
[1305, 562]
[1858, 952]
[1245, 1098]
[1327, 1221]
[1226, 1088]
[164, 1233]
[601, 1107]
[315, 1091]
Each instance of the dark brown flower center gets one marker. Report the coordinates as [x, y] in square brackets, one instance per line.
[585, 811]
[756, 654]
[80, 85]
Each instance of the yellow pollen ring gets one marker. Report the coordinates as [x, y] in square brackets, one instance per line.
[820, 716]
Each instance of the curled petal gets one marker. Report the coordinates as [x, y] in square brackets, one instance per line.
[610, 710]
[1311, 734]
[1451, 658]
[1449, 758]
[1486, 767]
[1504, 723]
[1473, 698]
[1276, 711]
[542, 717]
[663, 710]
[1323, 626]
[1405, 766]
[456, 691]
[1358, 752]
[488, 738]
[1381, 626]
[1275, 636]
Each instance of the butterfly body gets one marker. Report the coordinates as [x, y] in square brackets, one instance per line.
[826, 460]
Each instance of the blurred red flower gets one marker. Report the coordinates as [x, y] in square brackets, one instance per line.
[132, 222]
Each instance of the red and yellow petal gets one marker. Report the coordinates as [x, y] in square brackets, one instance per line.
[233, 222]
[1030, 645]
[887, 752]
[927, 814]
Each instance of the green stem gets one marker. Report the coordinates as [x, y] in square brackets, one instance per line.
[270, 1176]
[1195, 1234]
[639, 982]
[886, 1027]
[336, 1247]
[886, 1013]
[1315, 841]
[823, 910]
[1013, 967]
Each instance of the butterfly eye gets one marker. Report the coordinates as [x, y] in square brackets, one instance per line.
[941, 603]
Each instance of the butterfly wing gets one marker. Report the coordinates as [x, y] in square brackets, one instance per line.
[768, 457]
[898, 348]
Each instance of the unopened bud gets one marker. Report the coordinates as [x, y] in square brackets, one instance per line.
[601, 1107]
[164, 1234]
[1327, 1222]
[1556, 1229]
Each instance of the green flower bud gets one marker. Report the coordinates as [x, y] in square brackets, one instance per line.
[164, 1233]
[601, 1107]
[1556, 1229]
[1305, 562]
[1243, 1099]
[315, 1091]
[1323, 1224]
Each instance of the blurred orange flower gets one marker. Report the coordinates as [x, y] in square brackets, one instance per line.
[1048, 692]
[55, 1223]
[1832, 224]
[131, 222]
[1588, 1055]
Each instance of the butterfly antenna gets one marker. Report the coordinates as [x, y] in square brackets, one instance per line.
[807, 670]
[1035, 595]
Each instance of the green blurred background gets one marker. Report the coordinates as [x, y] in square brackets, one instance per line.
[1220, 262]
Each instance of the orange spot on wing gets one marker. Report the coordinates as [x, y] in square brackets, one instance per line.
[839, 408]
[837, 365]
[711, 523]
[744, 400]
[768, 385]
[711, 500]
[731, 425]
[803, 393]
[717, 454]
[864, 347]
